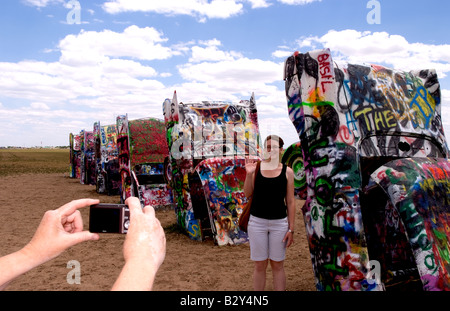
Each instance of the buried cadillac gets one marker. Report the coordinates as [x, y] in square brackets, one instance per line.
[372, 165]
[208, 142]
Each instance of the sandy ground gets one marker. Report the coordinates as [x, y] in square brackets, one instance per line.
[188, 266]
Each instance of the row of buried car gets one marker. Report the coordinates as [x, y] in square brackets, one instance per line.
[126, 159]
[192, 161]
[371, 165]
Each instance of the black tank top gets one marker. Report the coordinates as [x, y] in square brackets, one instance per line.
[269, 196]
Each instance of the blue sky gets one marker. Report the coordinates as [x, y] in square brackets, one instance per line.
[58, 77]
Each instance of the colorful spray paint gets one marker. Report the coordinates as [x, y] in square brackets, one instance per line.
[208, 142]
[88, 162]
[351, 119]
[106, 154]
[75, 156]
[142, 152]
[123, 149]
[420, 191]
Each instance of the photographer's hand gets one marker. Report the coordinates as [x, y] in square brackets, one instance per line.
[144, 249]
[59, 229]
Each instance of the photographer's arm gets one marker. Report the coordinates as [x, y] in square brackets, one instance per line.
[144, 249]
[14, 265]
[59, 229]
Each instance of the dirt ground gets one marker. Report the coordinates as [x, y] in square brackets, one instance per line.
[188, 266]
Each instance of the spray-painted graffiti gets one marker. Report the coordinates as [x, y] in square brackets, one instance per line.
[156, 195]
[82, 157]
[208, 142]
[126, 158]
[108, 175]
[143, 148]
[420, 190]
[147, 141]
[71, 156]
[152, 187]
[74, 156]
[351, 119]
[88, 162]
[293, 157]
[123, 148]
[223, 183]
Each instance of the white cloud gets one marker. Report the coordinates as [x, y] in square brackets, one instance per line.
[298, 2]
[382, 48]
[445, 112]
[90, 47]
[198, 8]
[212, 42]
[256, 4]
[209, 51]
[241, 75]
[282, 53]
[445, 94]
[235, 78]
[31, 80]
[98, 76]
[92, 64]
[41, 3]
[39, 106]
[280, 126]
[201, 9]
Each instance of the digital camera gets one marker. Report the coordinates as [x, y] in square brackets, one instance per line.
[109, 218]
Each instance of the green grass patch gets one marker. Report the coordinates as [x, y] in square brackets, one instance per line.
[34, 161]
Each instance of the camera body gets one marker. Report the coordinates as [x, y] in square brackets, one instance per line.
[109, 218]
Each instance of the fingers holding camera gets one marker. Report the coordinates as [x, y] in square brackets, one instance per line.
[149, 210]
[134, 205]
[72, 222]
[58, 230]
[145, 237]
[159, 237]
[144, 249]
[69, 208]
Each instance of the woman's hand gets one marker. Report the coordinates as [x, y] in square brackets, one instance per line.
[289, 238]
[250, 165]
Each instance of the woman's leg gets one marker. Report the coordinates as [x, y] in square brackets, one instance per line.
[277, 252]
[279, 276]
[259, 251]
[259, 275]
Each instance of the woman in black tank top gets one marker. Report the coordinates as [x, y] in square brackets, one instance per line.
[272, 214]
[269, 196]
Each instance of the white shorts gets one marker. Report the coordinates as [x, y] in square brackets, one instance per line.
[266, 238]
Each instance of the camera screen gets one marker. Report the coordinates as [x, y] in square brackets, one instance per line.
[104, 220]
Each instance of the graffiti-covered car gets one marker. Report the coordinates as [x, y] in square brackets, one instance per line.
[372, 165]
[107, 162]
[82, 157]
[75, 156]
[142, 151]
[208, 142]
